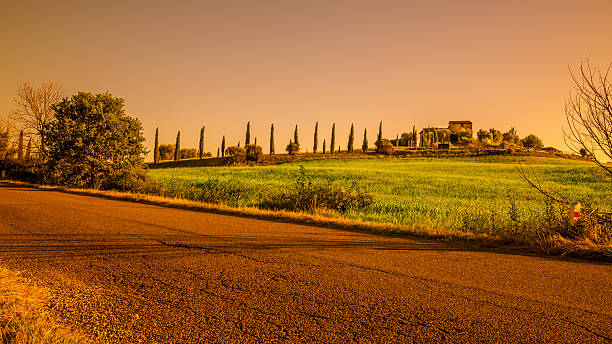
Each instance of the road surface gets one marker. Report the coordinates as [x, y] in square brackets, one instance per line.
[128, 272]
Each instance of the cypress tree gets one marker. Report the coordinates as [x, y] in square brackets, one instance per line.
[316, 138]
[272, 139]
[295, 136]
[177, 147]
[20, 146]
[364, 145]
[380, 135]
[248, 135]
[201, 147]
[332, 144]
[396, 140]
[217, 152]
[156, 151]
[223, 146]
[255, 141]
[349, 147]
[323, 146]
[414, 136]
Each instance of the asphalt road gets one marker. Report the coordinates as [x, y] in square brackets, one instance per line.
[128, 272]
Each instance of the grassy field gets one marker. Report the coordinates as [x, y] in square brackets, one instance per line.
[477, 194]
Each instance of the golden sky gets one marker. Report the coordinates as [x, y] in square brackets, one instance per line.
[183, 64]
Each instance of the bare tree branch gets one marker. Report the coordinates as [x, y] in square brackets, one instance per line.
[588, 112]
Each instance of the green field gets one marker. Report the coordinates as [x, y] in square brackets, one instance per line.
[478, 194]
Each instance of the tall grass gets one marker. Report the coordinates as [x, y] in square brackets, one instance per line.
[23, 318]
[478, 194]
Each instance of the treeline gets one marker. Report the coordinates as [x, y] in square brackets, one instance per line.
[251, 152]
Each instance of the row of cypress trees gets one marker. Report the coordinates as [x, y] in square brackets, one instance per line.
[221, 151]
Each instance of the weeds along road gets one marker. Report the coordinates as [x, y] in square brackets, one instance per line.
[128, 272]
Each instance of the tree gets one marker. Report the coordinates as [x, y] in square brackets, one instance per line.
[236, 155]
[316, 138]
[332, 144]
[364, 145]
[177, 147]
[188, 153]
[292, 148]
[166, 151]
[323, 146]
[223, 147]
[91, 142]
[532, 141]
[272, 139]
[28, 151]
[253, 152]
[201, 145]
[217, 152]
[483, 135]
[295, 136]
[351, 139]
[156, 149]
[384, 146]
[247, 140]
[20, 146]
[588, 113]
[34, 107]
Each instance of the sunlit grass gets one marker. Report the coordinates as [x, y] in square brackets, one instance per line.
[467, 194]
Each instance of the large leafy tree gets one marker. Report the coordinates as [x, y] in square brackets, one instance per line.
[92, 143]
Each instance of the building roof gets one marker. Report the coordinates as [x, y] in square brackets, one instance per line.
[460, 122]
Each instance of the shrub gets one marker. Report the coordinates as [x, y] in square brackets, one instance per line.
[532, 141]
[384, 146]
[166, 151]
[188, 153]
[308, 196]
[253, 153]
[292, 148]
[236, 155]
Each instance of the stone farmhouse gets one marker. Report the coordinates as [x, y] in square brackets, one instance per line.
[457, 132]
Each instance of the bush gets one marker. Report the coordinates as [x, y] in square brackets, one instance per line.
[384, 146]
[235, 155]
[292, 148]
[532, 141]
[188, 153]
[253, 152]
[306, 196]
[166, 151]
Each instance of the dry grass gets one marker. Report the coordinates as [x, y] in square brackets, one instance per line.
[547, 244]
[23, 317]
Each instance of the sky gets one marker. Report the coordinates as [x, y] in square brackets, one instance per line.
[181, 65]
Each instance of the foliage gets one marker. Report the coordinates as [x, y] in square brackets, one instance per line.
[316, 138]
[384, 146]
[201, 143]
[247, 139]
[351, 139]
[532, 141]
[223, 146]
[166, 151]
[292, 148]
[253, 152]
[188, 153]
[91, 141]
[483, 135]
[295, 136]
[364, 144]
[177, 147]
[156, 147]
[272, 139]
[332, 143]
[236, 155]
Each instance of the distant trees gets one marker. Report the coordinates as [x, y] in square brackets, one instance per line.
[364, 145]
[156, 149]
[351, 140]
[316, 138]
[272, 139]
[295, 136]
[201, 144]
[532, 141]
[91, 142]
[166, 152]
[177, 147]
[235, 154]
[332, 144]
[223, 146]
[323, 146]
